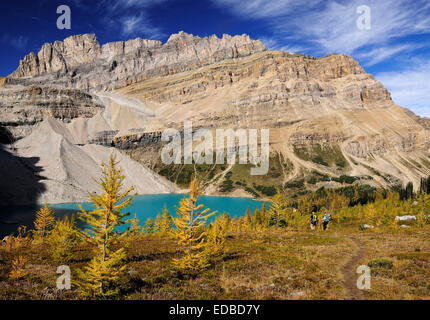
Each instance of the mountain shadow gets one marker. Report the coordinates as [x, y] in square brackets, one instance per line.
[20, 180]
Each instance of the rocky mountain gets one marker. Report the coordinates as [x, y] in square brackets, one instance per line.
[80, 62]
[331, 123]
[28, 105]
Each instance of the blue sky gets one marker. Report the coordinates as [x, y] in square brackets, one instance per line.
[396, 48]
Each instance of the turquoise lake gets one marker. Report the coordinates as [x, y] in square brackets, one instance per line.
[145, 206]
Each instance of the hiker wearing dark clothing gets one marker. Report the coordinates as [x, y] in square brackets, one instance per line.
[314, 221]
[326, 220]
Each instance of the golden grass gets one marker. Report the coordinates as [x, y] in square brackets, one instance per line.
[408, 273]
[278, 264]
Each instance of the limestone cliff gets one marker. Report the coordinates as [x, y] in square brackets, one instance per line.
[23, 107]
[80, 62]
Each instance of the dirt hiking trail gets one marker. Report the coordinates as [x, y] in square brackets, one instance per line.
[349, 272]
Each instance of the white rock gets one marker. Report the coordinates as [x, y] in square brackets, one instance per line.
[406, 218]
[298, 294]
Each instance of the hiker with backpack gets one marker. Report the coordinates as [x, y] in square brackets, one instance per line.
[326, 219]
[314, 220]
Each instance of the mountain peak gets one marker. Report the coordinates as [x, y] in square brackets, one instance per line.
[181, 35]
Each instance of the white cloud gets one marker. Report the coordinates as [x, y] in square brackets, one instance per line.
[19, 42]
[410, 88]
[130, 17]
[126, 4]
[263, 8]
[335, 29]
[272, 43]
[379, 54]
[139, 25]
[131, 24]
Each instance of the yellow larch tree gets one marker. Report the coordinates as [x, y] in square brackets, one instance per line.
[100, 278]
[217, 235]
[278, 207]
[135, 229]
[247, 221]
[190, 224]
[44, 221]
[18, 271]
[166, 222]
[63, 239]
